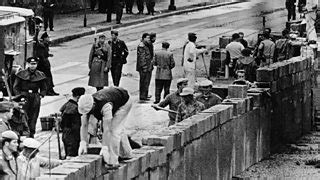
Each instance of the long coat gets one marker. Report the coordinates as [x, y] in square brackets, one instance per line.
[99, 65]
[144, 58]
[164, 62]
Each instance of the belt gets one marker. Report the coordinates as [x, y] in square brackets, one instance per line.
[31, 91]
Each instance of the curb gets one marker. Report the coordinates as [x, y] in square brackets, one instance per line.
[137, 21]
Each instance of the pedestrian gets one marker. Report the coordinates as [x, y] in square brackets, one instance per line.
[150, 6]
[93, 4]
[241, 80]
[282, 47]
[189, 106]
[266, 50]
[118, 6]
[242, 40]
[71, 122]
[5, 115]
[48, 13]
[247, 63]
[129, 6]
[8, 159]
[120, 53]
[109, 6]
[173, 100]
[31, 83]
[99, 63]
[164, 62]
[144, 66]
[140, 6]
[42, 52]
[189, 59]
[29, 162]
[206, 96]
[111, 106]
[233, 49]
[291, 7]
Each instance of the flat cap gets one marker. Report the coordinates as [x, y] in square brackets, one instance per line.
[31, 143]
[115, 32]
[101, 35]
[32, 60]
[192, 34]
[9, 135]
[44, 35]
[187, 91]
[78, 91]
[205, 83]
[182, 80]
[85, 104]
[5, 106]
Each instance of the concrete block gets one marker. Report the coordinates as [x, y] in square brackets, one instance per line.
[264, 84]
[94, 163]
[291, 68]
[161, 157]
[237, 91]
[132, 167]
[257, 99]
[80, 167]
[166, 141]
[71, 173]
[235, 105]
[176, 164]
[122, 173]
[251, 140]
[94, 149]
[250, 103]
[239, 136]
[52, 177]
[265, 74]
[224, 112]
[144, 176]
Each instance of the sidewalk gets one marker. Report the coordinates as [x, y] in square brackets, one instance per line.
[70, 26]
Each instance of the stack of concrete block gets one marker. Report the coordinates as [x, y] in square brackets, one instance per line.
[290, 88]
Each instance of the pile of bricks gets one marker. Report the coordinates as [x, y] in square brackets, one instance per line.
[290, 87]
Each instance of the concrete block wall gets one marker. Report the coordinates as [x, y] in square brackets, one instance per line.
[290, 89]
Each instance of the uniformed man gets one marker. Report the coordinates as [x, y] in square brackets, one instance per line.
[144, 66]
[140, 6]
[150, 6]
[29, 163]
[173, 100]
[71, 122]
[189, 106]
[8, 159]
[206, 96]
[111, 105]
[32, 84]
[5, 115]
[119, 57]
[42, 52]
[48, 13]
[129, 5]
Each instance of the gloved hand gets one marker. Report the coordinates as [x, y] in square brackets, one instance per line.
[105, 154]
[83, 148]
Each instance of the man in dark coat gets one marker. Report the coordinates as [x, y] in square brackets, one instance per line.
[28, 83]
[144, 66]
[48, 13]
[140, 6]
[42, 52]
[71, 122]
[150, 6]
[164, 62]
[119, 55]
[117, 7]
[291, 7]
[129, 5]
[102, 6]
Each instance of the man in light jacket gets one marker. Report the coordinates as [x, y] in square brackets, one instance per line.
[189, 59]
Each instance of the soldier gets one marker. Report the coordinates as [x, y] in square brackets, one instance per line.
[140, 6]
[206, 96]
[150, 6]
[29, 82]
[48, 13]
[71, 122]
[8, 159]
[189, 106]
[173, 100]
[119, 57]
[42, 52]
[111, 105]
[29, 162]
[164, 62]
[129, 5]
[144, 66]
[118, 6]
[99, 63]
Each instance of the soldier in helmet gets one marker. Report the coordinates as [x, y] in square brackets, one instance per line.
[32, 84]
[8, 159]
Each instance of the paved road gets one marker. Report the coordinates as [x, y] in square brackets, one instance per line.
[70, 59]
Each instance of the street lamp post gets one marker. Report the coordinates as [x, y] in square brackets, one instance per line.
[172, 6]
[85, 14]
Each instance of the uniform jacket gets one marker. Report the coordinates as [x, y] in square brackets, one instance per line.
[164, 62]
[26, 80]
[42, 52]
[144, 58]
[119, 52]
[99, 63]
[8, 167]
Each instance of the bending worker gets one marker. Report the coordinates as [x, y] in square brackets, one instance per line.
[111, 105]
